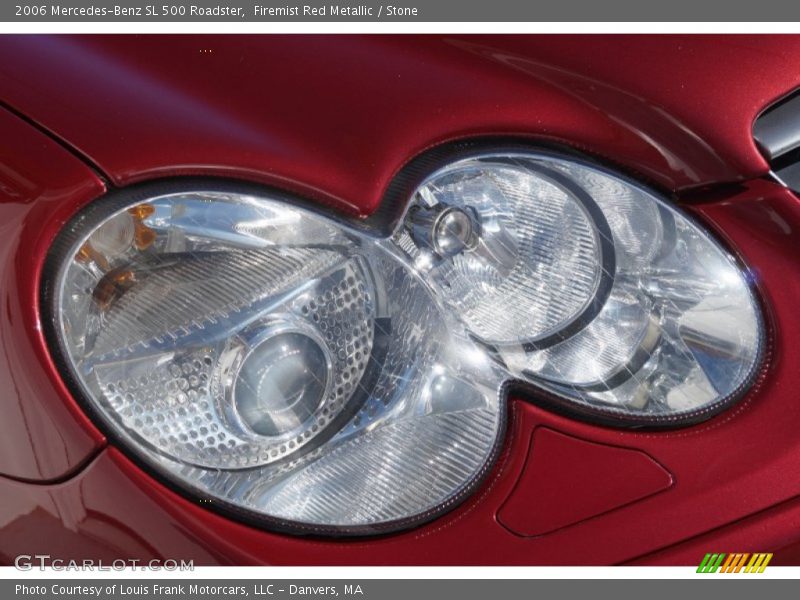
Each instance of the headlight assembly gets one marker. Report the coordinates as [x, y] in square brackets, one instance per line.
[329, 379]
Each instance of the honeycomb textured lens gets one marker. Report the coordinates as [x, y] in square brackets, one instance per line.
[250, 341]
[371, 463]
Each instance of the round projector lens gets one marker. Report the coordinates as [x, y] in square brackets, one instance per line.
[281, 384]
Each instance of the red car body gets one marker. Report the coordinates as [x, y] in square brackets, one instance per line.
[333, 119]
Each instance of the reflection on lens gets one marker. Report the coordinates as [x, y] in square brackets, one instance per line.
[281, 384]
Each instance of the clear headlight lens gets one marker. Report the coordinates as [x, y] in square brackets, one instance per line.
[602, 294]
[305, 371]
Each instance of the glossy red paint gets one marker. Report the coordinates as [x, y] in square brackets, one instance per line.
[43, 433]
[334, 120]
[775, 528]
[567, 480]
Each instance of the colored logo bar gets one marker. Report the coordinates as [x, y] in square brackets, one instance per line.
[735, 562]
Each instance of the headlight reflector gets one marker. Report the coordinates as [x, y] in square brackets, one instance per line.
[615, 301]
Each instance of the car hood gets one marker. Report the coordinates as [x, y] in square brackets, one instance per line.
[335, 117]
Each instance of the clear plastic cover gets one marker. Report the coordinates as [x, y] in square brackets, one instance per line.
[303, 370]
[254, 350]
